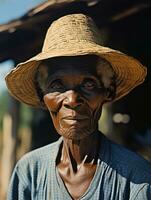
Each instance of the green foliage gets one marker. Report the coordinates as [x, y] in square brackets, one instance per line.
[3, 106]
[25, 116]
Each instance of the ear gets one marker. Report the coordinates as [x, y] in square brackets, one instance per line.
[110, 93]
[107, 78]
[42, 75]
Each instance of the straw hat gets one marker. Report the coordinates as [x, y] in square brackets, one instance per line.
[73, 35]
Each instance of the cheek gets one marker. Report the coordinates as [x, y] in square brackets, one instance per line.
[95, 105]
[53, 101]
[96, 102]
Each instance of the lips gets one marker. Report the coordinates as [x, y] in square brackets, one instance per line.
[76, 118]
[75, 121]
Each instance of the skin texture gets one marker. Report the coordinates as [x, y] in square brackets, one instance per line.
[74, 93]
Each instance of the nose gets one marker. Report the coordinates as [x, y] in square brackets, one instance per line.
[73, 100]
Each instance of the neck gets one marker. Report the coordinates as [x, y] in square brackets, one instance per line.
[78, 152]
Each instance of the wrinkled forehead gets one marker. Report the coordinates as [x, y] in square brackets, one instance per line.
[87, 64]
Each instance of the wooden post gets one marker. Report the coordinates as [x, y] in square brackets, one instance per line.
[10, 130]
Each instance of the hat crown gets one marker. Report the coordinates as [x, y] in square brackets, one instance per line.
[70, 30]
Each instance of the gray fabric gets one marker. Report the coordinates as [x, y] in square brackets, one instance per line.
[120, 175]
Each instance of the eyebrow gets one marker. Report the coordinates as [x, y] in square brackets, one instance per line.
[54, 76]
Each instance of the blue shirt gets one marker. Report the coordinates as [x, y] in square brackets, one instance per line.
[120, 175]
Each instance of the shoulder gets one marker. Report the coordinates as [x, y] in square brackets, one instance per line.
[38, 158]
[132, 165]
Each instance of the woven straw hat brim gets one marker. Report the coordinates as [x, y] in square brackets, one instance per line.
[129, 72]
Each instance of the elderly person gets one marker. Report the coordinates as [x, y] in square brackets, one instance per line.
[73, 77]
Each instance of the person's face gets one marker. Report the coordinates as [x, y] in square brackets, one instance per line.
[74, 96]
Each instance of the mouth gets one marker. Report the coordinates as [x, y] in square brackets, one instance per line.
[75, 118]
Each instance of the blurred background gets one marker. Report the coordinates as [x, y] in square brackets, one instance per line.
[124, 24]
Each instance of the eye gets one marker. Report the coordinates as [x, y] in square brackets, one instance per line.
[56, 85]
[89, 84]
